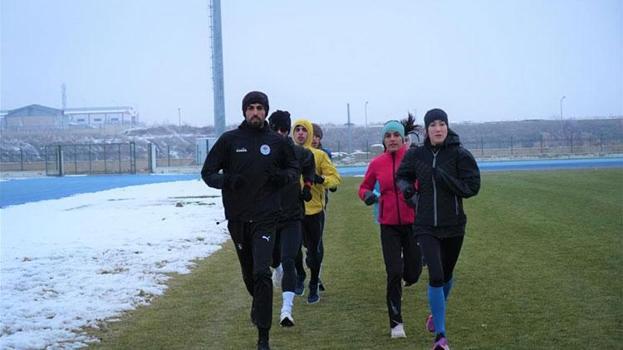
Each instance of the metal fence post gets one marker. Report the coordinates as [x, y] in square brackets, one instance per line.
[119, 156]
[168, 156]
[105, 161]
[21, 159]
[75, 159]
[511, 145]
[60, 160]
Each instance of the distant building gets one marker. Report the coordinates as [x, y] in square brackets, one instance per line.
[42, 117]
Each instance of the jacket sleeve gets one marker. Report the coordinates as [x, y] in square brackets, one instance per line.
[214, 163]
[308, 166]
[331, 177]
[467, 184]
[406, 174]
[290, 163]
[368, 182]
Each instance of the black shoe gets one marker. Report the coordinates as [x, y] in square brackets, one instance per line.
[320, 286]
[262, 345]
[313, 296]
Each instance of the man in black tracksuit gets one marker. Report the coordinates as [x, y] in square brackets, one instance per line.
[255, 164]
[289, 232]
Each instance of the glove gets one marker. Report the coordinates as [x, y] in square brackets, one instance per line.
[412, 201]
[408, 192]
[234, 182]
[305, 194]
[318, 179]
[370, 198]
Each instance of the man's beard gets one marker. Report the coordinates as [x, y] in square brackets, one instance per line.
[256, 122]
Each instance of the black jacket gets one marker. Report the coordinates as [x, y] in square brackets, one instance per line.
[253, 156]
[446, 175]
[293, 207]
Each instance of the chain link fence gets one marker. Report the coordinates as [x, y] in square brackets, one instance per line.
[124, 158]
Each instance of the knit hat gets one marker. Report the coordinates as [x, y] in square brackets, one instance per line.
[255, 97]
[392, 126]
[317, 130]
[280, 120]
[435, 114]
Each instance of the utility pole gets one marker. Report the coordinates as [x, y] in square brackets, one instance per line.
[179, 116]
[218, 84]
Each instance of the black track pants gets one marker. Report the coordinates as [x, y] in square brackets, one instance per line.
[287, 246]
[254, 244]
[441, 255]
[403, 260]
[312, 236]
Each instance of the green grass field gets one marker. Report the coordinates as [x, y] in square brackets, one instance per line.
[541, 268]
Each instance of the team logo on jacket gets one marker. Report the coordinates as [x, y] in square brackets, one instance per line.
[265, 149]
[241, 150]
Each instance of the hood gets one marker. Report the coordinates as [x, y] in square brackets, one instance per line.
[310, 130]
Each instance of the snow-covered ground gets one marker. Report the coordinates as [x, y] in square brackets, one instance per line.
[74, 262]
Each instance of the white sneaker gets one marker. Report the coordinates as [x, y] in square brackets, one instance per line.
[286, 320]
[398, 331]
[277, 276]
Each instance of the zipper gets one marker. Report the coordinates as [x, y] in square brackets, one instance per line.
[395, 189]
[456, 205]
[434, 190]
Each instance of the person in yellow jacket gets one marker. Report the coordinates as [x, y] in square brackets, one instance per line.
[326, 177]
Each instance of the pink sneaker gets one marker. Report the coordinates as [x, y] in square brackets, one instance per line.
[430, 325]
[441, 344]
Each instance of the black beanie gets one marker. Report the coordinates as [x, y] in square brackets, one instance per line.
[255, 97]
[435, 114]
[280, 120]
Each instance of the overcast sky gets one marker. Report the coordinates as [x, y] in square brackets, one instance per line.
[481, 60]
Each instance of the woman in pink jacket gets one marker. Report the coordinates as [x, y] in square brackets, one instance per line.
[401, 254]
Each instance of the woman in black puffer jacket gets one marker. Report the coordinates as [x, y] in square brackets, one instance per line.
[447, 173]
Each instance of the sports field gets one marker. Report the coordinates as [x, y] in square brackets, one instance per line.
[541, 268]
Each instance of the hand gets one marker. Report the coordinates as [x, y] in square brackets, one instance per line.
[412, 201]
[234, 182]
[370, 198]
[408, 192]
[305, 194]
[318, 179]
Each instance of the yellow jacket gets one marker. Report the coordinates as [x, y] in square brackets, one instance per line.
[324, 168]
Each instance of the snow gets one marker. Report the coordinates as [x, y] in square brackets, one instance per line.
[77, 261]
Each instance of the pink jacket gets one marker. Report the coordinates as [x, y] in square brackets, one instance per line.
[393, 209]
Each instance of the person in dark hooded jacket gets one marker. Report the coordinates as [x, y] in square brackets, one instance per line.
[250, 165]
[446, 173]
[289, 234]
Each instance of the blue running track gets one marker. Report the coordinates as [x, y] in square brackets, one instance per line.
[20, 191]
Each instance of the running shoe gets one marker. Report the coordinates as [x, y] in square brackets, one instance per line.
[286, 320]
[320, 286]
[441, 344]
[313, 296]
[430, 325]
[398, 331]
